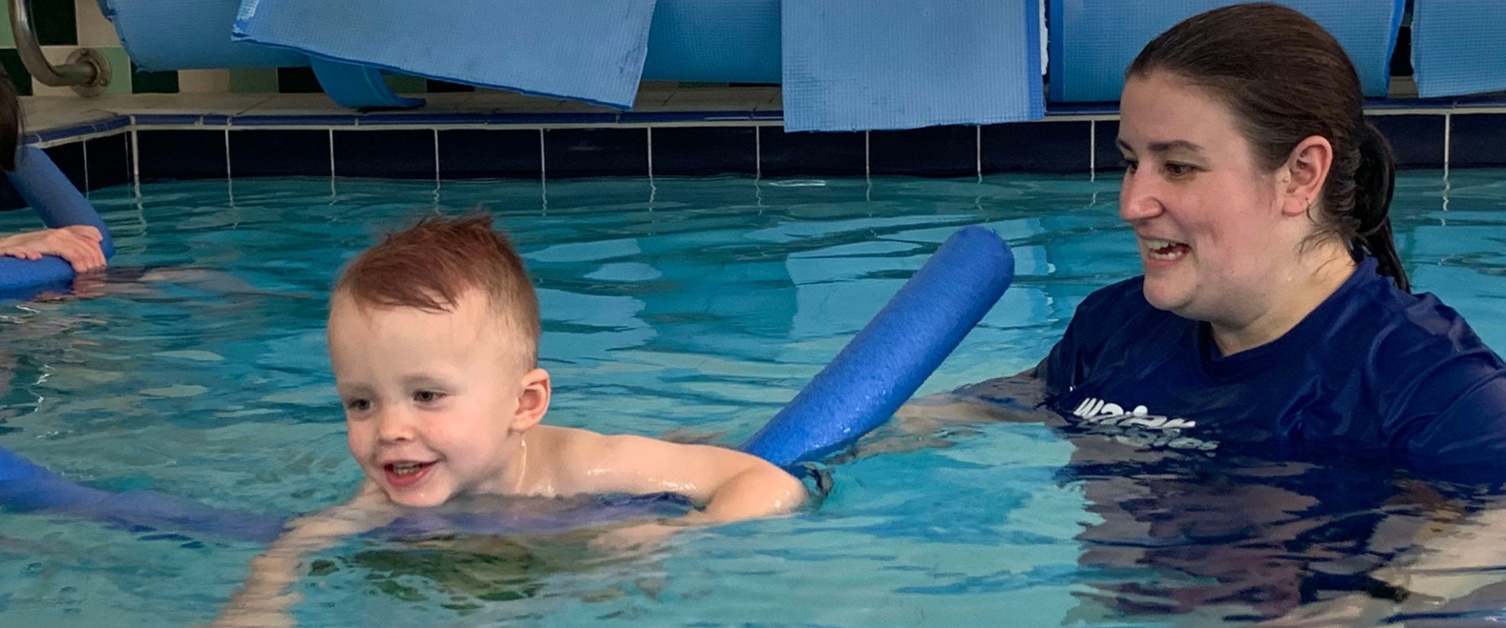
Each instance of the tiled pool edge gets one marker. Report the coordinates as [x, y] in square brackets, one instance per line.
[126, 148]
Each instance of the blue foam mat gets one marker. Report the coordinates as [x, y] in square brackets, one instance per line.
[1458, 47]
[187, 34]
[714, 41]
[1093, 41]
[854, 65]
[578, 49]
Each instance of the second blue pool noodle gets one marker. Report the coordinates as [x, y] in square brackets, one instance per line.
[894, 354]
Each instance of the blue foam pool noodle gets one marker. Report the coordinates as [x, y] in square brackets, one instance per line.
[859, 390]
[894, 354]
[59, 204]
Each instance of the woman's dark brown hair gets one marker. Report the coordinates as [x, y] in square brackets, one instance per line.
[1286, 79]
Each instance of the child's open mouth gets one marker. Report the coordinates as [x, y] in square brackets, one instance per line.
[406, 473]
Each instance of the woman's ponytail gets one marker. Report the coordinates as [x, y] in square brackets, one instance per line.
[1374, 182]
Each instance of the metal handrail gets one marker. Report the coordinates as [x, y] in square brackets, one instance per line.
[86, 71]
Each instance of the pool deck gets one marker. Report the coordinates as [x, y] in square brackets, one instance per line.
[658, 103]
[48, 120]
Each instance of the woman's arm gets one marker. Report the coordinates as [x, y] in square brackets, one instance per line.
[76, 244]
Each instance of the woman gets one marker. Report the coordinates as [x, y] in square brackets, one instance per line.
[1273, 310]
[1272, 334]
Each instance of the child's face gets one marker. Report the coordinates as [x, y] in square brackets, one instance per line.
[435, 403]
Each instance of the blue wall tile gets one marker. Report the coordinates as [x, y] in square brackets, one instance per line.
[1106, 146]
[595, 152]
[396, 154]
[944, 151]
[9, 197]
[1478, 140]
[269, 153]
[472, 153]
[181, 154]
[109, 160]
[791, 154]
[1050, 146]
[1416, 140]
[702, 151]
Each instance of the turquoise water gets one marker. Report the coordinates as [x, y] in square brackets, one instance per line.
[688, 307]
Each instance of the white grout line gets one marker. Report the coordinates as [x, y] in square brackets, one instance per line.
[978, 151]
[135, 154]
[867, 173]
[1093, 150]
[1448, 140]
[541, 154]
[758, 153]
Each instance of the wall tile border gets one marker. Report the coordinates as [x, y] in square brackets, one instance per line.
[122, 149]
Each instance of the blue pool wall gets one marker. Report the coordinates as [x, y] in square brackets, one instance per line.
[125, 149]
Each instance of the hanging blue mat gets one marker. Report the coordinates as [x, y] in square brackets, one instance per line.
[580, 49]
[853, 65]
[188, 34]
[1458, 47]
[1093, 41]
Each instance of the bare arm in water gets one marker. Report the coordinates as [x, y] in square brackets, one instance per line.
[265, 600]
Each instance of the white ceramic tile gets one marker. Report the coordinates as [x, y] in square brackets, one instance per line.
[219, 104]
[39, 113]
[93, 28]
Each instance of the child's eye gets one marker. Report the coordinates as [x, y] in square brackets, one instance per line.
[427, 396]
[357, 405]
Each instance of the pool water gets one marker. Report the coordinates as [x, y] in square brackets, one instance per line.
[693, 308]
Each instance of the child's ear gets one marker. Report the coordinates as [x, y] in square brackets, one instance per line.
[533, 400]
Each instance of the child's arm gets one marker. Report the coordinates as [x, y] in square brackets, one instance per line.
[728, 485]
[264, 599]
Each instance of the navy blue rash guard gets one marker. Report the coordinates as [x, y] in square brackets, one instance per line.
[1372, 372]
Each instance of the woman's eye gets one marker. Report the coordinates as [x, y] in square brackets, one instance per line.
[1129, 165]
[427, 396]
[1178, 170]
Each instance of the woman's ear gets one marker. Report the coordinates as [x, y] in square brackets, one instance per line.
[533, 400]
[1307, 170]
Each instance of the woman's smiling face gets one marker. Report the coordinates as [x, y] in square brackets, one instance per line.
[1204, 213]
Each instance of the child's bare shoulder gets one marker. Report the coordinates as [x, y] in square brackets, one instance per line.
[572, 444]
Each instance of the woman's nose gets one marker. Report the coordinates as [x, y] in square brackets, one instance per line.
[1138, 200]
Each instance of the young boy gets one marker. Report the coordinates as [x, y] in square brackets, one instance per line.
[433, 336]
